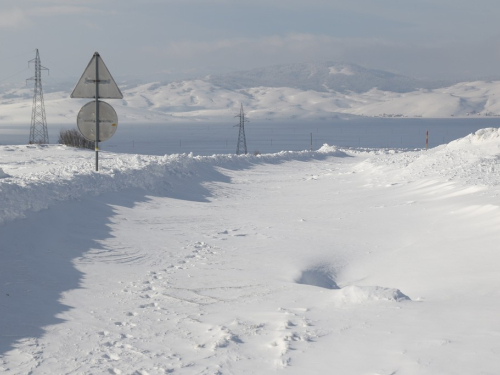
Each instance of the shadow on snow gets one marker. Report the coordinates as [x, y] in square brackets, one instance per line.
[37, 252]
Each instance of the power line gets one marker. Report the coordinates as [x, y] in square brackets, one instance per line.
[12, 76]
[62, 70]
[14, 56]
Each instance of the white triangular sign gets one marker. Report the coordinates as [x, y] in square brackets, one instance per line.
[86, 86]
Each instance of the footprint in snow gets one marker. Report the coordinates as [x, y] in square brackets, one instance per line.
[112, 357]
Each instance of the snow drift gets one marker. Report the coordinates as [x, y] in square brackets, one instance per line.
[50, 181]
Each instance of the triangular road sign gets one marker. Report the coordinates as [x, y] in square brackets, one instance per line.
[86, 86]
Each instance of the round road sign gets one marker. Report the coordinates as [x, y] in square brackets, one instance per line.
[108, 121]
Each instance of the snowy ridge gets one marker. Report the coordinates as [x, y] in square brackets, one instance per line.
[471, 162]
[321, 77]
[203, 100]
[73, 178]
[484, 137]
[459, 161]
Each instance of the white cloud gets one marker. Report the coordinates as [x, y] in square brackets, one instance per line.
[15, 18]
[424, 60]
[274, 45]
[420, 38]
[12, 18]
[60, 10]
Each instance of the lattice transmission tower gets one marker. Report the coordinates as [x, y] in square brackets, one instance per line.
[38, 129]
[242, 141]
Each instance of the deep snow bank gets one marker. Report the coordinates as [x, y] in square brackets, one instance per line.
[472, 161]
[480, 138]
[35, 177]
[3, 174]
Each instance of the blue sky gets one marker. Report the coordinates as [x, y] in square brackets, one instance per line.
[438, 39]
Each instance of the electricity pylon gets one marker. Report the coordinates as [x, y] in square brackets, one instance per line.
[242, 141]
[38, 129]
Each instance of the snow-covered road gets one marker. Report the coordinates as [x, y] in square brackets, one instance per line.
[350, 262]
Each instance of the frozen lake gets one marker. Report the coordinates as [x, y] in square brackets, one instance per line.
[271, 136]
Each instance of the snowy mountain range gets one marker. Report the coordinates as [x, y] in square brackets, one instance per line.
[284, 92]
[323, 77]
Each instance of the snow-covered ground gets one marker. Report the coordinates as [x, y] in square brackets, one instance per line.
[333, 261]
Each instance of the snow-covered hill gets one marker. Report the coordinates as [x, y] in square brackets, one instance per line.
[314, 91]
[323, 77]
[332, 261]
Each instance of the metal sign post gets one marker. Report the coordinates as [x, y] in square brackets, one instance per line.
[96, 111]
[107, 121]
[105, 87]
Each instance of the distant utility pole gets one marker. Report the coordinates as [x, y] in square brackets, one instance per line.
[242, 141]
[38, 129]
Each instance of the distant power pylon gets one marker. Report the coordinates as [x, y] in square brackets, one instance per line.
[38, 130]
[242, 141]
